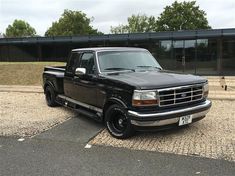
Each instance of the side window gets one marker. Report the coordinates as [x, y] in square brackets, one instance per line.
[87, 61]
[73, 61]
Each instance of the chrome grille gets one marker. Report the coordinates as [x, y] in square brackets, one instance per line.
[180, 95]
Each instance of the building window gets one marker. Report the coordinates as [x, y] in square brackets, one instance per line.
[207, 57]
[228, 59]
[164, 54]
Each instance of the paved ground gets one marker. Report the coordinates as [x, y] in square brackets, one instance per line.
[217, 92]
[60, 150]
[26, 114]
[212, 137]
[78, 129]
[49, 155]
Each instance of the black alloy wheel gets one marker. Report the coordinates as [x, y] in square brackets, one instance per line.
[118, 123]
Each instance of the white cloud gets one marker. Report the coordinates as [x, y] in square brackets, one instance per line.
[41, 13]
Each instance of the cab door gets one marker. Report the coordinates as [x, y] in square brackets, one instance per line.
[85, 89]
[74, 59]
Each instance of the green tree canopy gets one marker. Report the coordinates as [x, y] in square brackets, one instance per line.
[72, 23]
[20, 28]
[136, 23]
[182, 16]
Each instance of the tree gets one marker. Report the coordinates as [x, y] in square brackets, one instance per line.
[72, 23]
[182, 16]
[20, 28]
[136, 23]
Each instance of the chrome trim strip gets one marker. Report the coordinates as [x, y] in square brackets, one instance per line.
[167, 121]
[181, 103]
[181, 93]
[207, 103]
[182, 98]
[81, 104]
[180, 87]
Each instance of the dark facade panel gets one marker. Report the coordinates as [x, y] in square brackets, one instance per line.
[204, 52]
[160, 35]
[80, 38]
[140, 36]
[30, 40]
[134, 36]
[62, 39]
[228, 32]
[98, 38]
[184, 35]
[44, 39]
[118, 37]
[209, 33]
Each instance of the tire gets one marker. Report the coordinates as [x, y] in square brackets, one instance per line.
[50, 96]
[117, 122]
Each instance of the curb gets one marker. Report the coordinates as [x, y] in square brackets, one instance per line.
[227, 99]
[21, 91]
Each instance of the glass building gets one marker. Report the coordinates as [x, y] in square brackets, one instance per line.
[203, 52]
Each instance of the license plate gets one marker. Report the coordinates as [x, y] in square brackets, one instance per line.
[184, 120]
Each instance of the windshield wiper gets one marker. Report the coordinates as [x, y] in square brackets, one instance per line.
[148, 66]
[119, 69]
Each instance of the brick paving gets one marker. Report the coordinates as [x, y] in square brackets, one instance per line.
[26, 114]
[212, 137]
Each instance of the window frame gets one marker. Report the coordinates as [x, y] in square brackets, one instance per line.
[95, 63]
[69, 65]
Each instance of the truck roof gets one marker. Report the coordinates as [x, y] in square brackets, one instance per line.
[109, 49]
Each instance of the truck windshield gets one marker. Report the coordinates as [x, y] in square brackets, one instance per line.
[126, 60]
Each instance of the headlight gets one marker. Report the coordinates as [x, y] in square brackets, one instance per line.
[144, 98]
[205, 90]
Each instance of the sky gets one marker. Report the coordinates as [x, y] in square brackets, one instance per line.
[41, 13]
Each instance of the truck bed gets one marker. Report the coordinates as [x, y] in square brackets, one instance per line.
[56, 76]
[57, 71]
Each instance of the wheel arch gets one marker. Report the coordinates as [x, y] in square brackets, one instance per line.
[48, 83]
[112, 101]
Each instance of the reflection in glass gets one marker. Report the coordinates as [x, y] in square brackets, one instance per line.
[178, 48]
[184, 55]
[206, 56]
[164, 54]
[228, 60]
[189, 54]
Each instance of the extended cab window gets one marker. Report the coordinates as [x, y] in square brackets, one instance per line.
[87, 62]
[73, 61]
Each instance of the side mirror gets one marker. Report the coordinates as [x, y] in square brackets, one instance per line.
[80, 71]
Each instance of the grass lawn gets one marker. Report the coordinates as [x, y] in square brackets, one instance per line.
[23, 73]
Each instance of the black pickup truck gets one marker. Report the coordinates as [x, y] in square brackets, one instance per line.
[126, 89]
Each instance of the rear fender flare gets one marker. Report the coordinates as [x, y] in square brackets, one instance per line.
[49, 83]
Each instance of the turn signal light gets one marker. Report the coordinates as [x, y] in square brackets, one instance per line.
[144, 102]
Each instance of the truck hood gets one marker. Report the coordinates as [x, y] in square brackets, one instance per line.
[155, 79]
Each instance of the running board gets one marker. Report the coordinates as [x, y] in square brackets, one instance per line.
[85, 109]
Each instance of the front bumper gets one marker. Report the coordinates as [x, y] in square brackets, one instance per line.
[169, 117]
